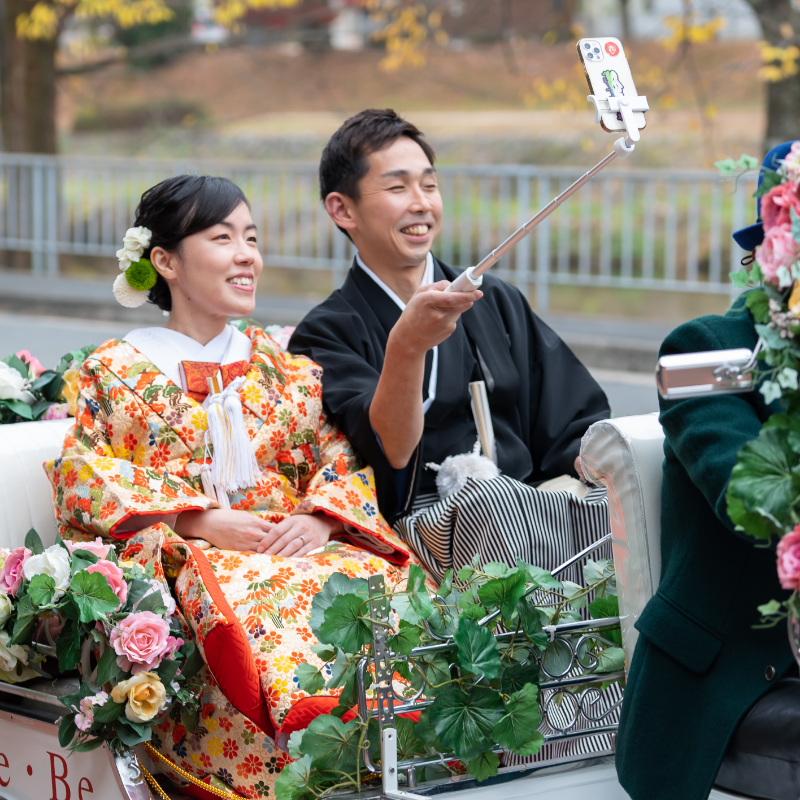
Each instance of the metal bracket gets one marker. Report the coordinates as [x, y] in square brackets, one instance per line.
[389, 768]
[379, 611]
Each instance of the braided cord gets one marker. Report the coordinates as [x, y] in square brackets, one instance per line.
[191, 778]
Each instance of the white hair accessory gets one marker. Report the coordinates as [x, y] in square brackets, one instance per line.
[131, 289]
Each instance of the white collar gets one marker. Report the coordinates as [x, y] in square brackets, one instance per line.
[167, 348]
[427, 278]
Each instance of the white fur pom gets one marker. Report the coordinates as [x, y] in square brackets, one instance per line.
[455, 470]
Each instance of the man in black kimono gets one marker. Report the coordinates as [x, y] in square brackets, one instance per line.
[398, 352]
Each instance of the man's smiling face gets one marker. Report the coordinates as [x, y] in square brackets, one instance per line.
[399, 210]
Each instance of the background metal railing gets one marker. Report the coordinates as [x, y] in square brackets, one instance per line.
[645, 229]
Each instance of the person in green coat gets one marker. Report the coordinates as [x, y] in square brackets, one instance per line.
[710, 700]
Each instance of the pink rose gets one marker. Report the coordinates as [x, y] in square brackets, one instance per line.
[35, 369]
[96, 547]
[775, 205]
[789, 560]
[57, 411]
[114, 576]
[778, 250]
[140, 640]
[11, 574]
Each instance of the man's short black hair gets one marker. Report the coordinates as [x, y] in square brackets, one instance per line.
[345, 160]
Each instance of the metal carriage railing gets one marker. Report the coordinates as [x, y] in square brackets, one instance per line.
[634, 229]
[576, 684]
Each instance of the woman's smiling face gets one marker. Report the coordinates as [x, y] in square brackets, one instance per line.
[214, 272]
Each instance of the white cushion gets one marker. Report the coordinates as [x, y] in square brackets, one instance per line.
[26, 498]
[627, 456]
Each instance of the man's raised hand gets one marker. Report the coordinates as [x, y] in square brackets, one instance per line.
[431, 316]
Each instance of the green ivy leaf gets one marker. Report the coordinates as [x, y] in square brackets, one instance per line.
[446, 586]
[309, 678]
[87, 745]
[424, 731]
[324, 651]
[294, 778]
[765, 480]
[295, 745]
[477, 650]
[611, 659]
[337, 584]
[436, 670]
[521, 719]
[23, 625]
[769, 180]
[406, 638]
[557, 658]
[332, 743]
[531, 622]
[484, 766]
[414, 605]
[107, 669]
[68, 646]
[342, 670]
[607, 606]
[408, 744]
[538, 576]
[34, 542]
[518, 676]
[93, 595]
[41, 590]
[344, 625]
[573, 592]
[464, 722]
[757, 303]
[504, 592]
[132, 734]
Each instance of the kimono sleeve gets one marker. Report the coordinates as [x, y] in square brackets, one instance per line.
[94, 490]
[340, 488]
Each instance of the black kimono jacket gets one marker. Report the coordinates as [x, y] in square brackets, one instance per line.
[542, 399]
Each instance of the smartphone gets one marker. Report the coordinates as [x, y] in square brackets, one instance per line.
[608, 75]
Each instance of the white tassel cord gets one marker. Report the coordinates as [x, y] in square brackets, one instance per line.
[234, 464]
[455, 470]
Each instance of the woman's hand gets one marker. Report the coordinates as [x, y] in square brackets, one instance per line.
[224, 528]
[299, 534]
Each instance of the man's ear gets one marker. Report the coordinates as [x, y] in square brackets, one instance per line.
[341, 209]
[164, 262]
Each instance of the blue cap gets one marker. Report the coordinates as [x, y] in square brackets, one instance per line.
[750, 237]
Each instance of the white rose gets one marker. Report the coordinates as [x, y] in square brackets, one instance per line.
[127, 257]
[9, 655]
[137, 239]
[6, 607]
[53, 562]
[13, 386]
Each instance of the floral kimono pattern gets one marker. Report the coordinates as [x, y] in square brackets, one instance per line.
[136, 449]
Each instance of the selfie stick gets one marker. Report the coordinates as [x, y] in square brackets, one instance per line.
[472, 278]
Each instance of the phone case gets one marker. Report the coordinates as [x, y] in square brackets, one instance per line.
[608, 75]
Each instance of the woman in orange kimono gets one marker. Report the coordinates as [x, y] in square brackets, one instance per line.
[204, 450]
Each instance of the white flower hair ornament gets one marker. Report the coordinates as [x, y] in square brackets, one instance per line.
[138, 275]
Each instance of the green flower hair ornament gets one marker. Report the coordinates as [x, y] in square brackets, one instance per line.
[138, 275]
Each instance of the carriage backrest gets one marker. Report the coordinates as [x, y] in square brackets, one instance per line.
[627, 456]
[26, 498]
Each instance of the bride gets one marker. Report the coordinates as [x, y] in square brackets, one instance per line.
[202, 448]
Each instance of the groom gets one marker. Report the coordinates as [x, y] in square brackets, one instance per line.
[398, 352]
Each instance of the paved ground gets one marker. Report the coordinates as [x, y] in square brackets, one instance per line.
[49, 337]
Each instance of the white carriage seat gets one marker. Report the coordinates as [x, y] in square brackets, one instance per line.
[627, 456]
[26, 497]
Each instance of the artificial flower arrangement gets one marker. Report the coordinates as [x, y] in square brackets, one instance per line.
[490, 700]
[763, 496]
[29, 392]
[118, 627]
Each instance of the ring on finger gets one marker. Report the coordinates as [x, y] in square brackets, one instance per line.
[302, 540]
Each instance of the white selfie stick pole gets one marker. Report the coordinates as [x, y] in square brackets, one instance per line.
[472, 278]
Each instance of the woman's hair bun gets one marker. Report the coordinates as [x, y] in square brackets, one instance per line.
[179, 207]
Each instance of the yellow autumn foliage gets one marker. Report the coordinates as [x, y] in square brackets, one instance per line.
[779, 63]
[686, 29]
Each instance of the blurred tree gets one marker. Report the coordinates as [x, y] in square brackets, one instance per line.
[780, 25]
[29, 31]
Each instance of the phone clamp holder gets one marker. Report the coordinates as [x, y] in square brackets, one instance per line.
[626, 107]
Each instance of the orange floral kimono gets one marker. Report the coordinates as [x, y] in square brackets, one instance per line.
[136, 449]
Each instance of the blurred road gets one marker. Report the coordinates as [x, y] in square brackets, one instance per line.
[48, 338]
